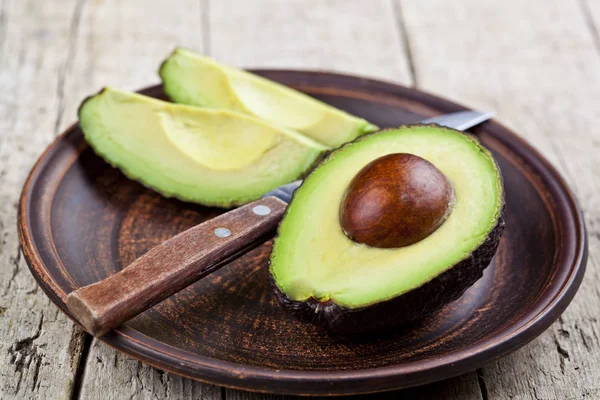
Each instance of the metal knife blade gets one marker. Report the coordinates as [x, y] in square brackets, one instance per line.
[461, 121]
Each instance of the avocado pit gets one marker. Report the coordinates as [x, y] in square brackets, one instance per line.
[395, 201]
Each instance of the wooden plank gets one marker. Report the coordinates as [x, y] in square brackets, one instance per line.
[538, 68]
[110, 375]
[515, 59]
[350, 36]
[122, 44]
[591, 13]
[40, 347]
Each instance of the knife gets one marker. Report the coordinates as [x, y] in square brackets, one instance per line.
[191, 255]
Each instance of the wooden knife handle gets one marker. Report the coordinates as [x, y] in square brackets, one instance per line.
[173, 265]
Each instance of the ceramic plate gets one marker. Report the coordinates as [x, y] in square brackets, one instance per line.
[81, 220]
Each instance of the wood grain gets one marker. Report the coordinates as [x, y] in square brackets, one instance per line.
[344, 35]
[472, 52]
[539, 69]
[40, 347]
[112, 375]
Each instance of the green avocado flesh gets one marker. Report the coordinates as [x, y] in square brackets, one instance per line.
[212, 157]
[312, 258]
[189, 78]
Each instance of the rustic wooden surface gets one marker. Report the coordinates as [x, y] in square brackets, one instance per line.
[537, 65]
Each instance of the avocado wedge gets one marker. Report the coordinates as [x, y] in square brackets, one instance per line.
[212, 157]
[189, 78]
[322, 275]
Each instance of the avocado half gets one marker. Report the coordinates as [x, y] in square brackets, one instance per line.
[325, 278]
[190, 78]
[212, 157]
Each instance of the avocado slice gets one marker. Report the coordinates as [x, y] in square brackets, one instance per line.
[212, 157]
[324, 277]
[189, 78]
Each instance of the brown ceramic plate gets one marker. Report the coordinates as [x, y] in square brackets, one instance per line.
[81, 220]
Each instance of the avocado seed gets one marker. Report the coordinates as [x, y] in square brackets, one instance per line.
[395, 201]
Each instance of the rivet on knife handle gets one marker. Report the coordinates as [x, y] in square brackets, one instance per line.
[174, 265]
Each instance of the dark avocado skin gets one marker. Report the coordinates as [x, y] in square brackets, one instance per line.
[403, 309]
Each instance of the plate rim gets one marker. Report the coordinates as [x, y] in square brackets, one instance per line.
[266, 380]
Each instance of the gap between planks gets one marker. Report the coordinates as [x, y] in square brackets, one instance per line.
[591, 24]
[81, 366]
[403, 35]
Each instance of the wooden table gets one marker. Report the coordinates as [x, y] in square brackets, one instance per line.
[536, 64]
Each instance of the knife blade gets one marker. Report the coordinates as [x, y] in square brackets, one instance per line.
[460, 121]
